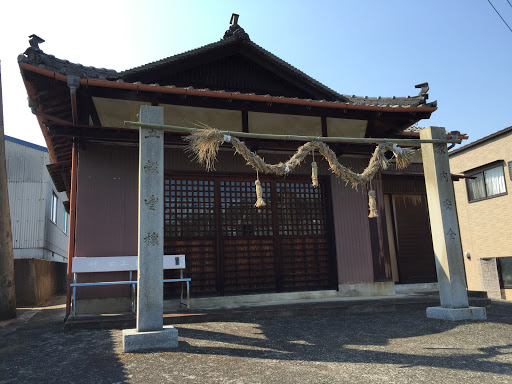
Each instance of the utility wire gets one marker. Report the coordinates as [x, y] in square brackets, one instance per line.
[509, 3]
[500, 15]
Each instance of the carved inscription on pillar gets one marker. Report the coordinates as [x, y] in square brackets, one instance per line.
[152, 133]
[451, 234]
[151, 239]
[447, 205]
[151, 167]
[151, 202]
[440, 149]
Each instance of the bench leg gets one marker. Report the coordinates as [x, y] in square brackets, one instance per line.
[74, 296]
[188, 295]
[133, 298]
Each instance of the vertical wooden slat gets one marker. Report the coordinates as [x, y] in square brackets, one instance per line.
[72, 223]
[378, 235]
[324, 126]
[333, 276]
[218, 238]
[278, 262]
[245, 121]
[350, 213]
[415, 253]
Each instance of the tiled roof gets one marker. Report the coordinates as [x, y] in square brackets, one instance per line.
[37, 57]
[235, 35]
[413, 128]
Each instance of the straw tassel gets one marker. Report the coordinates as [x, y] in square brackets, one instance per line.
[372, 204]
[403, 156]
[314, 174]
[259, 195]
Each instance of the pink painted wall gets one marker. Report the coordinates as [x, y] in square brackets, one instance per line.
[352, 232]
[107, 207]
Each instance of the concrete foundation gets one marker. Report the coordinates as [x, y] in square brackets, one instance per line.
[457, 314]
[386, 288]
[111, 305]
[405, 289]
[134, 341]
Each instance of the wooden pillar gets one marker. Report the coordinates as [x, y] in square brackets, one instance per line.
[7, 291]
[72, 223]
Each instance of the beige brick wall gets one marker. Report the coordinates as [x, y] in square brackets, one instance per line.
[485, 226]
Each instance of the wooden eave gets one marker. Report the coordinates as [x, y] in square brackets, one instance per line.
[50, 94]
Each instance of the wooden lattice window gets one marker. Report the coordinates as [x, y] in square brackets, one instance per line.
[300, 209]
[189, 208]
[239, 216]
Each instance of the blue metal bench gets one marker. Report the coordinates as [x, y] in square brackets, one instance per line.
[124, 264]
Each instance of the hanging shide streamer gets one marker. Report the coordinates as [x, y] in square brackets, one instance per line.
[372, 204]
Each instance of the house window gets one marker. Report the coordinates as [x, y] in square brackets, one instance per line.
[65, 222]
[53, 213]
[486, 183]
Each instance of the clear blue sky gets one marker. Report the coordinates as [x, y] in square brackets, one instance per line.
[366, 48]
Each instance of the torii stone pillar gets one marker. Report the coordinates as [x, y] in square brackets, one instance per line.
[445, 233]
[150, 333]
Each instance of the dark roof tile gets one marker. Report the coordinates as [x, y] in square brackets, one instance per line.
[36, 56]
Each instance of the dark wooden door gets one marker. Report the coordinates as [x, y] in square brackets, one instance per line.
[302, 235]
[231, 247]
[190, 228]
[247, 245]
[415, 253]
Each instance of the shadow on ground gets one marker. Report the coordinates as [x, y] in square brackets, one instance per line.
[406, 339]
[35, 349]
[369, 347]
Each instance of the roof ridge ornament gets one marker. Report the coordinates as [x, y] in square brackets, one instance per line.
[424, 88]
[235, 30]
[35, 41]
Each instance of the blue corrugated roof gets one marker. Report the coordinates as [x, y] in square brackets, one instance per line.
[25, 143]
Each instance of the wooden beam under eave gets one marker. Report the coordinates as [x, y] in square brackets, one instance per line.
[56, 108]
[255, 106]
[93, 113]
[65, 180]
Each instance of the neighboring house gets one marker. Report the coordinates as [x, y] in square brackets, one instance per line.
[39, 222]
[484, 207]
[304, 239]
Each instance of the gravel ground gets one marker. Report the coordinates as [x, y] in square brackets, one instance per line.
[392, 347]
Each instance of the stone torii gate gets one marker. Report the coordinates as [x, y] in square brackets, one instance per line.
[150, 332]
[445, 232]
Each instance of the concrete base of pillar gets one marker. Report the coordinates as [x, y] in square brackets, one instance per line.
[385, 288]
[134, 341]
[457, 314]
